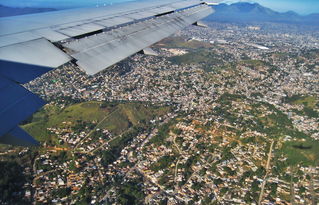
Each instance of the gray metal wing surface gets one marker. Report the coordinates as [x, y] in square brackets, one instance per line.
[95, 38]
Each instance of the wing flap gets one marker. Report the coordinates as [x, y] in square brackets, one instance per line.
[140, 15]
[110, 22]
[50, 34]
[25, 61]
[17, 38]
[38, 52]
[100, 51]
[80, 29]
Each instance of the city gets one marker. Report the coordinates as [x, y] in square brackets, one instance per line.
[227, 114]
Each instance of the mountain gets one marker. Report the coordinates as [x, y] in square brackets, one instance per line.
[255, 13]
[9, 11]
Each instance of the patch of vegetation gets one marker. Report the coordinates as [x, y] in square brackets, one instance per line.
[162, 133]
[227, 98]
[131, 193]
[118, 144]
[11, 183]
[188, 168]
[307, 101]
[310, 112]
[198, 185]
[309, 104]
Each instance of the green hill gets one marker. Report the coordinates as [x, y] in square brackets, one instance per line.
[116, 117]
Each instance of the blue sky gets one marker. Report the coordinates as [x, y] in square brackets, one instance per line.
[299, 6]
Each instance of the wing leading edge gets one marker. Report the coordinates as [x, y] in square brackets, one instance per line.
[35, 44]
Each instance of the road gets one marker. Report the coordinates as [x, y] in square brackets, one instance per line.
[180, 154]
[267, 173]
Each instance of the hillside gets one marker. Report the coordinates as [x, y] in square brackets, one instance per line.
[114, 117]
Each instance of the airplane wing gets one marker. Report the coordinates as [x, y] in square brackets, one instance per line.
[93, 38]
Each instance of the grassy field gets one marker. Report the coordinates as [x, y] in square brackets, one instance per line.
[115, 117]
[301, 152]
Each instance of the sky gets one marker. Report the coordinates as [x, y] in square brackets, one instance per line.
[299, 6]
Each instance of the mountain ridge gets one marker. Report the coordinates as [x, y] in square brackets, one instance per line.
[14, 11]
[245, 12]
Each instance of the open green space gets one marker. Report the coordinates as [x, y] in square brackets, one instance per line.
[301, 152]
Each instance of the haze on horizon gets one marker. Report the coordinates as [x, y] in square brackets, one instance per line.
[302, 7]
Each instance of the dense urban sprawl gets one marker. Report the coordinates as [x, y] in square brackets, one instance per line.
[227, 114]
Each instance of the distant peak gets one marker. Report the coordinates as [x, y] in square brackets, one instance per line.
[291, 13]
